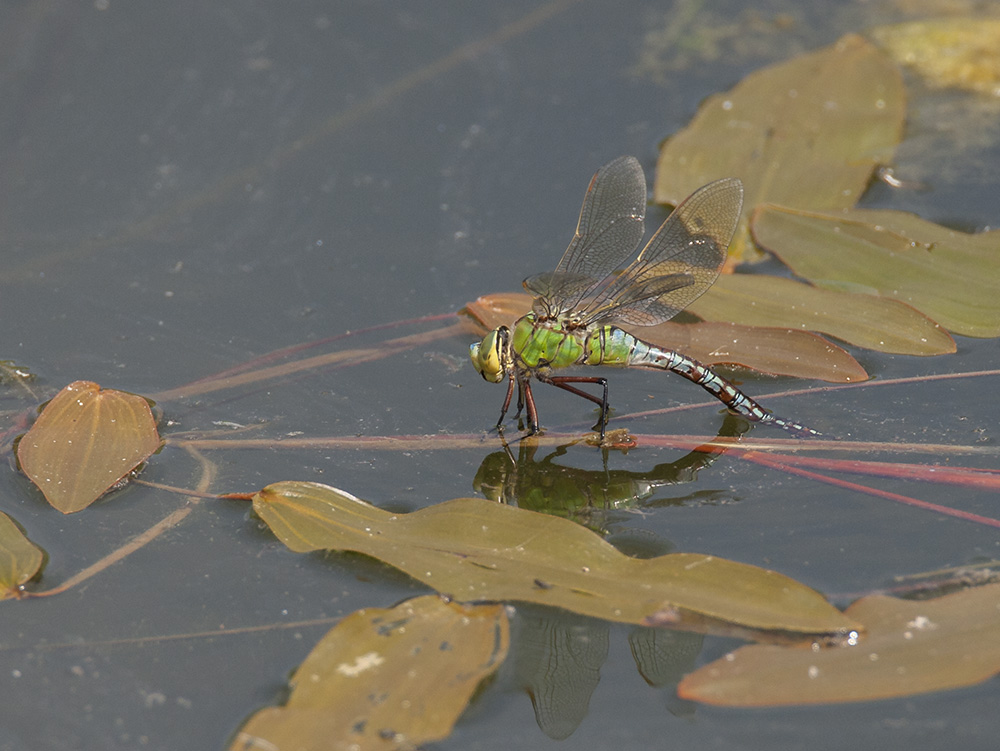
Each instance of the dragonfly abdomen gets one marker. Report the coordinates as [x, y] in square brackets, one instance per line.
[612, 346]
[649, 356]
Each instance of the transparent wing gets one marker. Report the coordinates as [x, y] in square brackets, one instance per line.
[680, 262]
[610, 228]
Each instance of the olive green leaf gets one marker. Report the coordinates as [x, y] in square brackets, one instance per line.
[472, 550]
[910, 647]
[868, 321]
[807, 132]
[948, 275]
[385, 679]
[20, 559]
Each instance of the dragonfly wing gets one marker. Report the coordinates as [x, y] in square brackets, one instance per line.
[554, 288]
[610, 228]
[680, 262]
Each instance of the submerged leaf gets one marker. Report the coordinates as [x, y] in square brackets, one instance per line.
[86, 440]
[948, 275]
[767, 350]
[472, 549]
[385, 679]
[20, 559]
[807, 132]
[868, 321]
[958, 52]
[910, 647]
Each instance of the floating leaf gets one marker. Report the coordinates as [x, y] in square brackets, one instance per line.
[867, 321]
[385, 679]
[20, 559]
[910, 647]
[500, 309]
[472, 549]
[948, 275]
[767, 350]
[959, 52]
[86, 440]
[807, 132]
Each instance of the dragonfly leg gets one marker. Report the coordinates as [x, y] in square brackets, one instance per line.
[532, 411]
[506, 402]
[564, 382]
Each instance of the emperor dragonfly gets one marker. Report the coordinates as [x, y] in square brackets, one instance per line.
[576, 308]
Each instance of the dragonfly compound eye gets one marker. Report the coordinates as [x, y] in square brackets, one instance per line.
[488, 357]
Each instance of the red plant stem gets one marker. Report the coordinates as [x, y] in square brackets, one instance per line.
[970, 477]
[768, 461]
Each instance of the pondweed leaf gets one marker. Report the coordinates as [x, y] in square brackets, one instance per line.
[868, 321]
[776, 351]
[474, 550]
[950, 276]
[385, 679]
[85, 440]
[20, 559]
[910, 647]
[807, 133]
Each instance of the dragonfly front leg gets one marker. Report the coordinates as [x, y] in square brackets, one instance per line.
[564, 382]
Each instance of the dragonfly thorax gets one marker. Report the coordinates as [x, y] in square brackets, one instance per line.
[492, 357]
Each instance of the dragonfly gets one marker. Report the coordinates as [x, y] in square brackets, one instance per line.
[581, 309]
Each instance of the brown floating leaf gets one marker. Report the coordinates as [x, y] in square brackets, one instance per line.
[867, 321]
[807, 132]
[909, 648]
[500, 309]
[84, 442]
[385, 679]
[960, 52]
[20, 559]
[472, 549]
[767, 350]
[950, 276]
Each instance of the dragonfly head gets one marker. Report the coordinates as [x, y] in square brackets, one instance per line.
[491, 356]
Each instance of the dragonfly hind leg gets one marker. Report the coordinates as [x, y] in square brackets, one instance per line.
[564, 382]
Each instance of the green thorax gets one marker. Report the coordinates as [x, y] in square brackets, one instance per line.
[551, 343]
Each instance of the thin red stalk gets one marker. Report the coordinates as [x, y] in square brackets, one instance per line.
[768, 461]
[987, 479]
